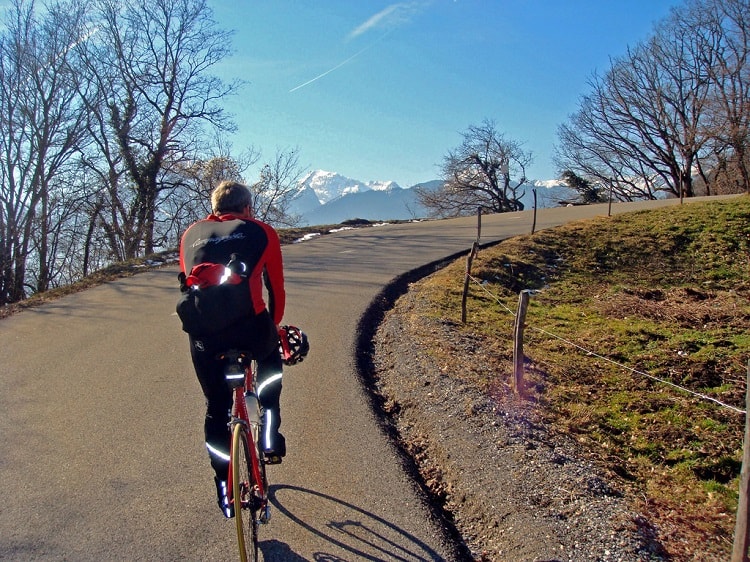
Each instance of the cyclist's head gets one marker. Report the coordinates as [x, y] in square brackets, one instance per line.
[230, 197]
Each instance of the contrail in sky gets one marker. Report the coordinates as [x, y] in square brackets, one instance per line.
[327, 72]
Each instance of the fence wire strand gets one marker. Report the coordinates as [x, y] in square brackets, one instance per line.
[607, 359]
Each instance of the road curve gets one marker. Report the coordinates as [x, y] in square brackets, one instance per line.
[101, 416]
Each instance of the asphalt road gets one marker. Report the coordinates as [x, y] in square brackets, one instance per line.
[101, 446]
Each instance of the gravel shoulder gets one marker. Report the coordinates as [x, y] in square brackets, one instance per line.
[511, 488]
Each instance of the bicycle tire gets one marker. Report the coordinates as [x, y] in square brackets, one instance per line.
[256, 427]
[246, 507]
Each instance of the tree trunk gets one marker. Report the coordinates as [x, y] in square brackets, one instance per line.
[43, 279]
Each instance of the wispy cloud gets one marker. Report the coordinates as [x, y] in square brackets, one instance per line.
[389, 17]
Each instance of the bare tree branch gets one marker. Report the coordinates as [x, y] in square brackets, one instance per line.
[487, 172]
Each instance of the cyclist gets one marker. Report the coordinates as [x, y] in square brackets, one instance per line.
[231, 231]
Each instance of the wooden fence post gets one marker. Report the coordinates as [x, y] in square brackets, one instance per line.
[523, 304]
[741, 530]
[469, 259]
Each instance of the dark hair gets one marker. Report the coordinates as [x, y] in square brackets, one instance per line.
[230, 197]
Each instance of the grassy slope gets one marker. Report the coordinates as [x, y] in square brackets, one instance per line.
[663, 294]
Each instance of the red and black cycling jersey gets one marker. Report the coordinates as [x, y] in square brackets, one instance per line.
[215, 238]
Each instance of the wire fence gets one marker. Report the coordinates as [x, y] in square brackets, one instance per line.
[604, 358]
[741, 540]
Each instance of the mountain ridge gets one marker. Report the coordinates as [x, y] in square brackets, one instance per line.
[327, 197]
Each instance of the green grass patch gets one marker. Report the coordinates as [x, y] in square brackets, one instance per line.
[622, 304]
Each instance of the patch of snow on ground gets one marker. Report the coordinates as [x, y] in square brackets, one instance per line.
[306, 237]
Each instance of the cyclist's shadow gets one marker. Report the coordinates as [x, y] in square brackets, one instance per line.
[277, 550]
[359, 533]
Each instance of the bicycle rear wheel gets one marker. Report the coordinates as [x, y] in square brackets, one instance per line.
[246, 503]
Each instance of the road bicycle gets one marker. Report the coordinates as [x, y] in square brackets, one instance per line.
[247, 483]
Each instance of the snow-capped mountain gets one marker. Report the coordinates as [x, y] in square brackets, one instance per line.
[330, 198]
[391, 204]
[342, 197]
[330, 185]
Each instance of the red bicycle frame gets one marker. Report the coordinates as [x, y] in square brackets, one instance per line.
[240, 415]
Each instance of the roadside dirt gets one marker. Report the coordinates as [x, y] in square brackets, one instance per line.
[511, 488]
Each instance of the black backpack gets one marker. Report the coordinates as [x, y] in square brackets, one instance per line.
[214, 296]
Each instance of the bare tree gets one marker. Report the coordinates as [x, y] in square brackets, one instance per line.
[189, 195]
[279, 182]
[193, 182]
[603, 158]
[42, 128]
[642, 122]
[721, 29]
[487, 172]
[674, 107]
[149, 62]
[202, 176]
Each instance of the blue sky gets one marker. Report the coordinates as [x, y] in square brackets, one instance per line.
[382, 90]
